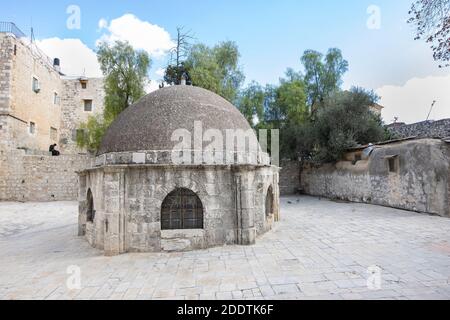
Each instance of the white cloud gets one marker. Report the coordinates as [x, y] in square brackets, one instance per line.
[140, 34]
[151, 86]
[160, 72]
[102, 24]
[77, 59]
[412, 101]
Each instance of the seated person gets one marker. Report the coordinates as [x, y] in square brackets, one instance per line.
[52, 149]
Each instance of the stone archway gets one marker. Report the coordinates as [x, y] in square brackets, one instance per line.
[90, 211]
[181, 209]
[269, 206]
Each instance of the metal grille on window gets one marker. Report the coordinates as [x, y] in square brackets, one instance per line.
[182, 209]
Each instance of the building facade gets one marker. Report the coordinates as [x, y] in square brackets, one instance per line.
[39, 106]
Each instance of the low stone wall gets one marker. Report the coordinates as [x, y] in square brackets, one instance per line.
[425, 129]
[289, 177]
[25, 177]
[420, 181]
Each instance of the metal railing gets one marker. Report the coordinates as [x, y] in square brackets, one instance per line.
[10, 27]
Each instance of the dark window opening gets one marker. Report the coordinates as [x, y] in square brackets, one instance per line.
[90, 212]
[88, 105]
[56, 98]
[32, 128]
[182, 209]
[36, 86]
[269, 202]
[393, 163]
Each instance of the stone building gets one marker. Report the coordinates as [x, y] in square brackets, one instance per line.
[166, 179]
[81, 97]
[410, 174]
[39, 106]
[376, 109]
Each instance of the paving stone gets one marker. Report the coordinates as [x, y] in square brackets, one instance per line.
[320, 250]
[285, 288]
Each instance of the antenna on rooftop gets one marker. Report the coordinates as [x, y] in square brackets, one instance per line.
[431, 109]
[31, 30]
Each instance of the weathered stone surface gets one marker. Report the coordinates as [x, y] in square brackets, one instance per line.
[150, 123]
[25, 177]
[133, 195]
[319, 250]
[289, 177]
[72, 109]
[424, 129]
[421, 182]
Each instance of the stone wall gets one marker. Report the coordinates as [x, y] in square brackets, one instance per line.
[419, 182]
[425, 129]
[28, 106]
[289, 177]
[28, 177]
[6, 52]
[72, 109]
[128, 200]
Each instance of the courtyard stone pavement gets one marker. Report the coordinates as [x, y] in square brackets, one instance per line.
[320, 250]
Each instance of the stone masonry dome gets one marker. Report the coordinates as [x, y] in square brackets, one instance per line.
[149, 124]
[179, 170]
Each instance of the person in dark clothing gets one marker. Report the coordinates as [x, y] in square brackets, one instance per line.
[52, 149]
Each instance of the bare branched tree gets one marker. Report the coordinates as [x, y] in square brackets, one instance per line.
[183, 44]
[432, 19]
[178, 54]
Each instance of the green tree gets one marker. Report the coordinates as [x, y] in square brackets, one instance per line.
[291, 98]
[125, 72]
[287, 101]
[345, 121]
[323, 75]
[90, 133]
[251, 103]
[216, 69]
[276, 107]
[174, 74]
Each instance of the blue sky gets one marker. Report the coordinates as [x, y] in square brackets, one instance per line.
[271, 36]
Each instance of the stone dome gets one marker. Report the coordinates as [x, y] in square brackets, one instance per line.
[149, 123]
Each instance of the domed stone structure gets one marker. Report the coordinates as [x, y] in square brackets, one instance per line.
[179, 170]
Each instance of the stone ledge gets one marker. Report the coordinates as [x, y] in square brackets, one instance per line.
[182, 233]
[164, 157]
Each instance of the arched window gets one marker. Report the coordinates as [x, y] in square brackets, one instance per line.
[90, 212]
[181, 209]
[269, 202]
